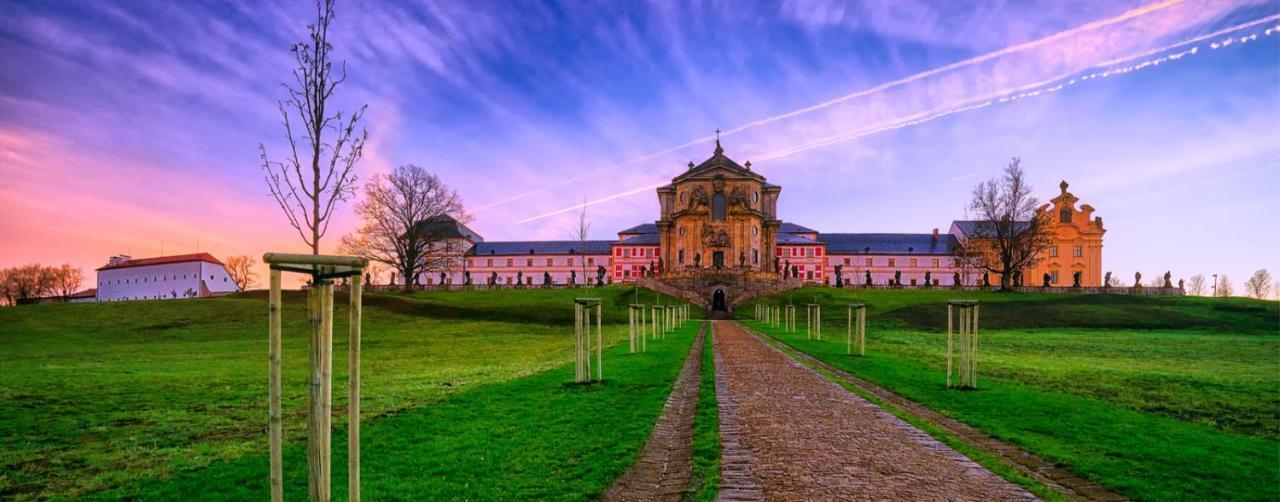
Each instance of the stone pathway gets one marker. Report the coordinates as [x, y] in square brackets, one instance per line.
[666, 464]
[788, 433]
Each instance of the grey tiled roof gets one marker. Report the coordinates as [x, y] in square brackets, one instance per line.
[792, 228]
[445, 226]
[889, 243]
[643, 228]
[541, 247]
[642, 240]
[986, 228]
[785, 238]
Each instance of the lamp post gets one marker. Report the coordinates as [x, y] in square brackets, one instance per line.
[1215, 284]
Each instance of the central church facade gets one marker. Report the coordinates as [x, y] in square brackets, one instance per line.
[722, 216]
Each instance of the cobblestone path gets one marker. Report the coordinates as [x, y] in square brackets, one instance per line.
[665, 466]
[790, 434]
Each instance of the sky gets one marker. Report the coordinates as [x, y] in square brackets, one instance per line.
[132, 127]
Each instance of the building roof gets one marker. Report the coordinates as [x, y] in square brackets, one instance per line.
[985, 228]
[795, 240]
[718, 159]
[643, 228]
[446, 227]
[510, 248]
[641, 240]
[161, 260]
[890, 243]
[792, 228]
[88, 293]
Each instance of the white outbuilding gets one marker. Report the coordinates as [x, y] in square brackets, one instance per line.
[163, 278]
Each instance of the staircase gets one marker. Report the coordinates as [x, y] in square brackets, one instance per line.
[698, 289]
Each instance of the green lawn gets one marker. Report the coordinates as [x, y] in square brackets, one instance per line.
[1156, 398]
[99, 396]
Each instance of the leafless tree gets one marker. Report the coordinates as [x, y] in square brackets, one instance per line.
[30, 282]
[1012, 233]
[1259, 286]
[1195, 285]
[581, 233]
[241, 270]
[407, 222]
[1224, 286]
[8, 295]
[65, 280]
[319, 169]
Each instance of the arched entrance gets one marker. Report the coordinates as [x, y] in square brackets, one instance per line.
[717, 301]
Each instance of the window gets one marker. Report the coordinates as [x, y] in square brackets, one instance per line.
[680, 257]
[510, 262]
[870, 262]
[1078, 251]
[755, 256]
[616, 252]
[913, 263]
[1053, 277]
[755, 198]
[1065, 215]
[591, 261]
[550, 261]
[569, 262]
[935, 264]
[718, 208]
[846, 261]
[811, 251]
[1053, 251]
[490, 261]
[809, 275]
[913, 282]
[528, 262]
[755, 231]
[891, 262]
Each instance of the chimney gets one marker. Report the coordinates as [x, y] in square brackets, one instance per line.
[118, 259]
[935, 236]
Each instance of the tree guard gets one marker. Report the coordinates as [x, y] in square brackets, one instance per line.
[635, 331]
[813, 321]
[582, 308]
[964, 344]
[857, 329]
[322, 269]
[791, 319]
[655, 315]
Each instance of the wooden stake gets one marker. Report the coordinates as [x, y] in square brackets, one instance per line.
[326, 449]
[599, 342]
[315, 389]
[273, 382]
[949, 316]
[355, 314]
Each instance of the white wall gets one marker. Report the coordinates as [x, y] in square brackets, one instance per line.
[164, 281]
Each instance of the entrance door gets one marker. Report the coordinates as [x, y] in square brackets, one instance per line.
[717, 259]
[717, 301]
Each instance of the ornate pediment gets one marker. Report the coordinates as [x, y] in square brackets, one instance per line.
[714, 237]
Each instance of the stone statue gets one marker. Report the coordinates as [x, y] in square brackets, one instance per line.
[1047, 278]
[573, 277]
[493, 279]
[1106, 281]
[652, 269]
[795, 272]
[986, 279]
[600, 271]
[775, 266]
[466, 277]
[955, 280]
[697, 259]
[927, 278]
[660, 267]
[1137, 279]
[1180, 283]
[1075, 279]
[393, 278]
[787, 266]
[367, 279]
[839, 277]
[546, 278]
[519, 277]
[742, 259]
[442, 277]
[1017, 278]
[1168, 279]
[868, 274]
[897, 277]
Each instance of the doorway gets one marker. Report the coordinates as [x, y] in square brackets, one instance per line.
[717, 301]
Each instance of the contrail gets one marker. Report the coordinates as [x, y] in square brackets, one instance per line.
[1131, 14]
[974, 103]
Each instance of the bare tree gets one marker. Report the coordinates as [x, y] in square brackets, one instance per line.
[8, 295]
[65, 280]
[581, 233]
[30, 282]
[1259, 286]
[241, 270]
[1195, 285]
[1011, 233]
[320, 172]
[408, 218]
[1224, 286]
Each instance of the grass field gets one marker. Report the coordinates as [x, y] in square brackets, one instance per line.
[100, 396]
[1157, 398]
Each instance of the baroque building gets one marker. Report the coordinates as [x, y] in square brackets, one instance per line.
[720, 218]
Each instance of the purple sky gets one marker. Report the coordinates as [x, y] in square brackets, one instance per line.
[132, 126]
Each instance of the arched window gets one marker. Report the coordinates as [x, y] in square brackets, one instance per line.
[717, 207]
[1065, 215]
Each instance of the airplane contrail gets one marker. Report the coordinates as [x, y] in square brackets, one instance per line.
[974, 103]
[1128, 15]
